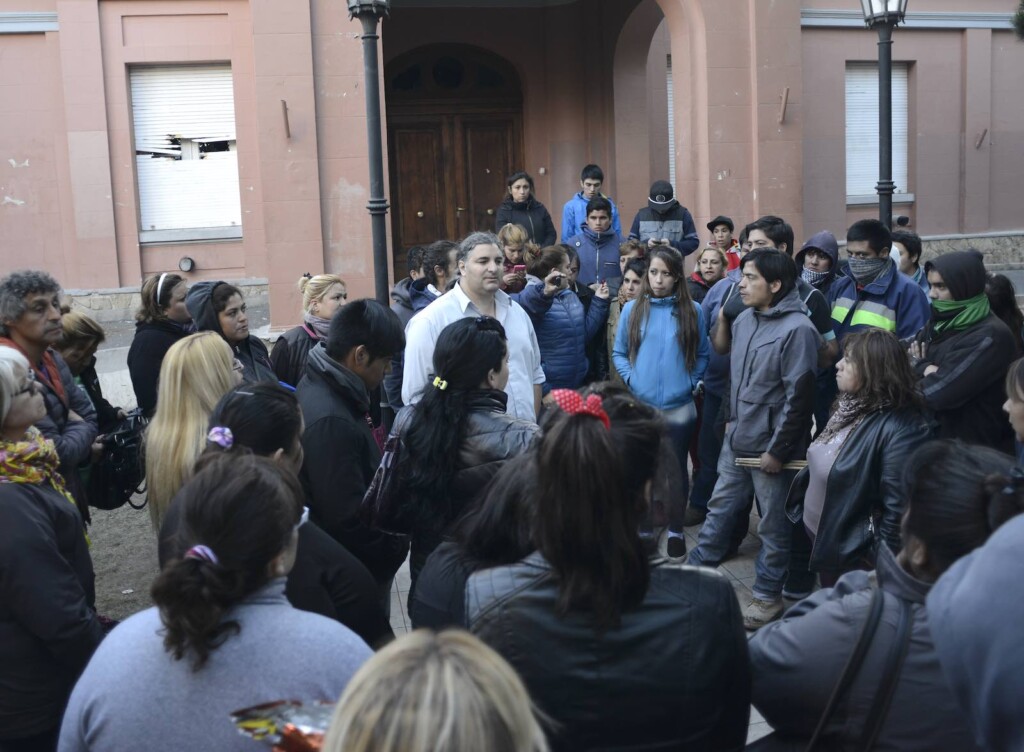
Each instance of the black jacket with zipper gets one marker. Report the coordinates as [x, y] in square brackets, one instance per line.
[864, 493]
[532, 215]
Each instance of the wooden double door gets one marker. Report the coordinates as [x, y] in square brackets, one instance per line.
[448, 172]
[454, 115]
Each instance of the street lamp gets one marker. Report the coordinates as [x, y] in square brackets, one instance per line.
[884, 15]
[369, 12]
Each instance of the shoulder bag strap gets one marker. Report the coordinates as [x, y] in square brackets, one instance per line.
[853, 665]
[891, 674]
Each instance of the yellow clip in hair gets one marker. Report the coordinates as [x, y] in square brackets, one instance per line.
[440, 383]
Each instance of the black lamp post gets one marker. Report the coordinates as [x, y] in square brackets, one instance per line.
[369, 12]
[884, 15]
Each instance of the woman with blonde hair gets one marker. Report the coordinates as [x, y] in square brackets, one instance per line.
[442, 692]
[161, 320]
[82, 337]
[322, 296]
[514, 240]
[196, 373]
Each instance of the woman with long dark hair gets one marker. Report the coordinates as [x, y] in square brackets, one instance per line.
[222, 636]
[520, 207]
[661, 352]
[852, 493]
[458, 435]
[957, 496]
[591, 597]
[265, 419]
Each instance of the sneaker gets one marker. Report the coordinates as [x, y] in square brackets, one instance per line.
[675, 548]
[694, 516]
[760, 612]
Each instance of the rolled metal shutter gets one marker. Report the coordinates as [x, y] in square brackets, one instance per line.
[177, 111]
[862, 128]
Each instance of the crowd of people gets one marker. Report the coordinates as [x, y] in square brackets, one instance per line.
[533, 425]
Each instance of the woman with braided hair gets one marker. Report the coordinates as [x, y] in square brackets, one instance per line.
[621, 651]
[458, 435]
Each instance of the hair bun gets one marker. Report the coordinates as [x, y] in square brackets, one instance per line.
[1005, 497]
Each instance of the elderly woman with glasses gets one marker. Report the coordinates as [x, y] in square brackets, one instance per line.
[458, 435]
[48, 625]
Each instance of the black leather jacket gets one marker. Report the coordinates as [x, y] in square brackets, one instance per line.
[675, 674]
[290, 354]
[864, 497]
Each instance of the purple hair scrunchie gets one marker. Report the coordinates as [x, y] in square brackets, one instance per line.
[205, 553]
[221, 436]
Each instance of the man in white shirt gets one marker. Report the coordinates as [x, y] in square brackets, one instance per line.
[477, 293]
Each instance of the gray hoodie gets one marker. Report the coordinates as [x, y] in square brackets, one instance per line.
[774, 357]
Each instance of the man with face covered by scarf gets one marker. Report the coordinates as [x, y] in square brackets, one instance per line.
[876, 294]
[962, 356]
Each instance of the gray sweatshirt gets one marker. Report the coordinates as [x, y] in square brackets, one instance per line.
[134, 695]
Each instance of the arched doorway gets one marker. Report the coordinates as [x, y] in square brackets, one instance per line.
[454, 116]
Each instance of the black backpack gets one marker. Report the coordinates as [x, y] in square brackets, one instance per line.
[121, 472]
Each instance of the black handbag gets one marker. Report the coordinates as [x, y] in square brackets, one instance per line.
[121, 472]
[383, 507]
[883, 697]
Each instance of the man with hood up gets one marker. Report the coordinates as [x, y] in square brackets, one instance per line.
[818, 262]
[219, 307]
[963, 354]
[664, 221]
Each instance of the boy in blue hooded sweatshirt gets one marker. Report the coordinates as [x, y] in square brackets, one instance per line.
[661, 352]
[597, 245]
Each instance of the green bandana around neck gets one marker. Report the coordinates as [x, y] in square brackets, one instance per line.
[957, 315]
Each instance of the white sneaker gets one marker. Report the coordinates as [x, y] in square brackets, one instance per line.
[760, 612]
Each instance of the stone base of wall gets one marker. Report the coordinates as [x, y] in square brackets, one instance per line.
[121, 303]
[1000, 251]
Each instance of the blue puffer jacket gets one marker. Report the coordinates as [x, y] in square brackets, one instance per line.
[599, 256]
[659, 376]
[563, 329]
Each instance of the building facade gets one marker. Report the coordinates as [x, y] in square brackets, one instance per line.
[138, 133]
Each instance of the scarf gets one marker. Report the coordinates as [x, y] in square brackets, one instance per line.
[849, 412]
[321, 327]
[866, 271]
[812, 277]
[46, 370]
[32, 460]
[957, 315]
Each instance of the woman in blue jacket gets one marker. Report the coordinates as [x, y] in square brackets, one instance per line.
[661, 351]
[563, 325]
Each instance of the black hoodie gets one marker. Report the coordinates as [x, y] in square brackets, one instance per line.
[531, 215]
[252, 353]
[666, 221]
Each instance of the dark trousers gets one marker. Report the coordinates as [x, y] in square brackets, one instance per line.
[709, 446]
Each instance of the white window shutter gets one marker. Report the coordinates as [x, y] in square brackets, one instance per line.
[176, 110]
[862, 128]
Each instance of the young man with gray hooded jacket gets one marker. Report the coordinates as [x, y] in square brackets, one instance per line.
[774, 357]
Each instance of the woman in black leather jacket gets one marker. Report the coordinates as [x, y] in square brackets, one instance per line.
[622, 652]
[458, 435]
[851, 495]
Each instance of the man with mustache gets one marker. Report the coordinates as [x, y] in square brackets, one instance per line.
[30, 322]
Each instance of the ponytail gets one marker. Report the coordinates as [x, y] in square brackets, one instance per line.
[540, 262]
[236, 515]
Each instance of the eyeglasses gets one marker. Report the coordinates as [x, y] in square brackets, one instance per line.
[31, 385]
[489, 324]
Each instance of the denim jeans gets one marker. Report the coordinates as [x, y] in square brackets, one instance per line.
[681, 423]
[732, 492]
[709, 445]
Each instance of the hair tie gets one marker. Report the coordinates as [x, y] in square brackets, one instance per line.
[1015, 482]
[573, 404]
[307, 275]
[203, 553]
[440, 383]
[160, 284]
[221, 436]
